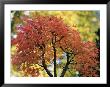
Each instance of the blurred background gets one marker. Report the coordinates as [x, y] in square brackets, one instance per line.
[86, 22]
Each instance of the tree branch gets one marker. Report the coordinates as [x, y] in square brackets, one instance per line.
[43, 61]
[60, 38]
[54, 49]
[66, 66]
[45, 67]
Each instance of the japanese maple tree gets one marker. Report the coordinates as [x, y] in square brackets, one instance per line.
[42, 39]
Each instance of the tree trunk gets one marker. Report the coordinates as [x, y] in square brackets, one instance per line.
[54, 49]
[45, 67]
[66, 66]
[55, 74]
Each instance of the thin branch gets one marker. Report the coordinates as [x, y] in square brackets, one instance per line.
[40, 65]
[43, 61]
[66, 66]
[62, 49]
[70, 72]
[60, 39]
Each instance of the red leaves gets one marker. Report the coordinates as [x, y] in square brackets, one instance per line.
[72, 41]
[13, 41]
[40, 31]
[87, 60]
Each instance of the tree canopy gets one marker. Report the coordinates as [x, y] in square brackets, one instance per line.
[42, 41]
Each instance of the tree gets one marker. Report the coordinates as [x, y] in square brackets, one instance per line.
[87, 22]
[40, 40]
